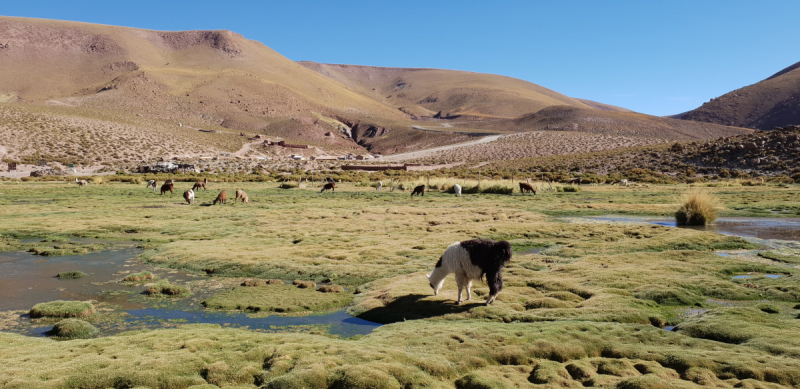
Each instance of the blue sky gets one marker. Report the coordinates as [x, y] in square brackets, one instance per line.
[658, 58]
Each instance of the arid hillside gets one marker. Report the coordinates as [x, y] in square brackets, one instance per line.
[199, 78]
[763, 153]
[449, 93]
[765, 105]
[566, 118]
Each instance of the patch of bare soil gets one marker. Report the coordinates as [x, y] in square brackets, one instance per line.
[533, 144]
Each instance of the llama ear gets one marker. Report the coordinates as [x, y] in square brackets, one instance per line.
[428, 275]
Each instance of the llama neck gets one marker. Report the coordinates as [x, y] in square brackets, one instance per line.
[436, 278]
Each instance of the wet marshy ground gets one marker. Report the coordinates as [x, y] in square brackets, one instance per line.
[746, 227]
[27, 279]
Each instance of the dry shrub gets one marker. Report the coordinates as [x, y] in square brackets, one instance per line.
[331, 289]
[698, 209]
[304, 284]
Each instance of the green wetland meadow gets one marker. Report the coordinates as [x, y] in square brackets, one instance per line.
[602, 291]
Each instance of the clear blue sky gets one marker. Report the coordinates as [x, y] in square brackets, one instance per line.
[653, 57]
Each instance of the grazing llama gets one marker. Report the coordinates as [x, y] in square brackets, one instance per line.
[470, 260]
[152, 184]
[623, 182]
[222, 197]
[330, 186]
[525, 187]
[457, 190]
[81, 183]
[241, 195]
[200, 184]
[167, 187]
[419, 190]
[380, 185]
[189, 196]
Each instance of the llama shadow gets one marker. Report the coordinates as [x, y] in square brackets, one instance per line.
[417, 306]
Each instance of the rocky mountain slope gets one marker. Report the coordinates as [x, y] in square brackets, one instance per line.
[773, 102]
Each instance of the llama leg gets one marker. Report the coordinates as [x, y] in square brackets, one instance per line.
[460, 281]
[469, 290]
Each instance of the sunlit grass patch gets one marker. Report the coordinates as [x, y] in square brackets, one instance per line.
[277, 298]
[73, 329]
[164, 288]
[61, 308]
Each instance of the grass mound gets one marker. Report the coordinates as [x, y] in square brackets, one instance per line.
[73, 329]
[331, 289]
[142, 276]
[791, 259]
[167, 289]
[305, 284]
[277, 298]
[698, 209]
[61, 308]
[71, 274]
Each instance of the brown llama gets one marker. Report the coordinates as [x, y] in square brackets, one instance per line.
[525, 187]
[221, 198]
[330, 186]
[241, 195]
[167, 187]
[200, 184]
[419, 190]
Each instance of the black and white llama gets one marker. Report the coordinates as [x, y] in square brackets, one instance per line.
[470, 260]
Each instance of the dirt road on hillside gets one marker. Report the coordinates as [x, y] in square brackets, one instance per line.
[428, 152]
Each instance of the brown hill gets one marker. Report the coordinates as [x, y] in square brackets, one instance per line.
[426, 92]
[199, 78]
[565, 118]
[771, 103]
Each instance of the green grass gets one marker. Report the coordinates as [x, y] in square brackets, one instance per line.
[277, 298]
[785, 258]
[582, 313]
[60, 308]
[73, 329]
[139, 277]
[71, 274]
[164, 288]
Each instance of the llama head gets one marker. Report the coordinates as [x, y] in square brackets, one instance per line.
[436, 278]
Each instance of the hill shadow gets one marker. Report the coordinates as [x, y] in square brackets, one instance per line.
[414, 307]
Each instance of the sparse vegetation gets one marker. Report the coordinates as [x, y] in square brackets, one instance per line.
[71, 274]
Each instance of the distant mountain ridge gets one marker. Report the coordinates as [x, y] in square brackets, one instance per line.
[765, 105]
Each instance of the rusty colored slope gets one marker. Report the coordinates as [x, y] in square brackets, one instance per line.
[765, 105]
[426, 92]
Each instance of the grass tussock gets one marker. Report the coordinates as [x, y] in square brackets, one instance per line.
[139, 277]
[61, 308]
[699, 208]
[304, 284]
[166, 289]
[73, 329]
[71, 274]
[331, 289]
